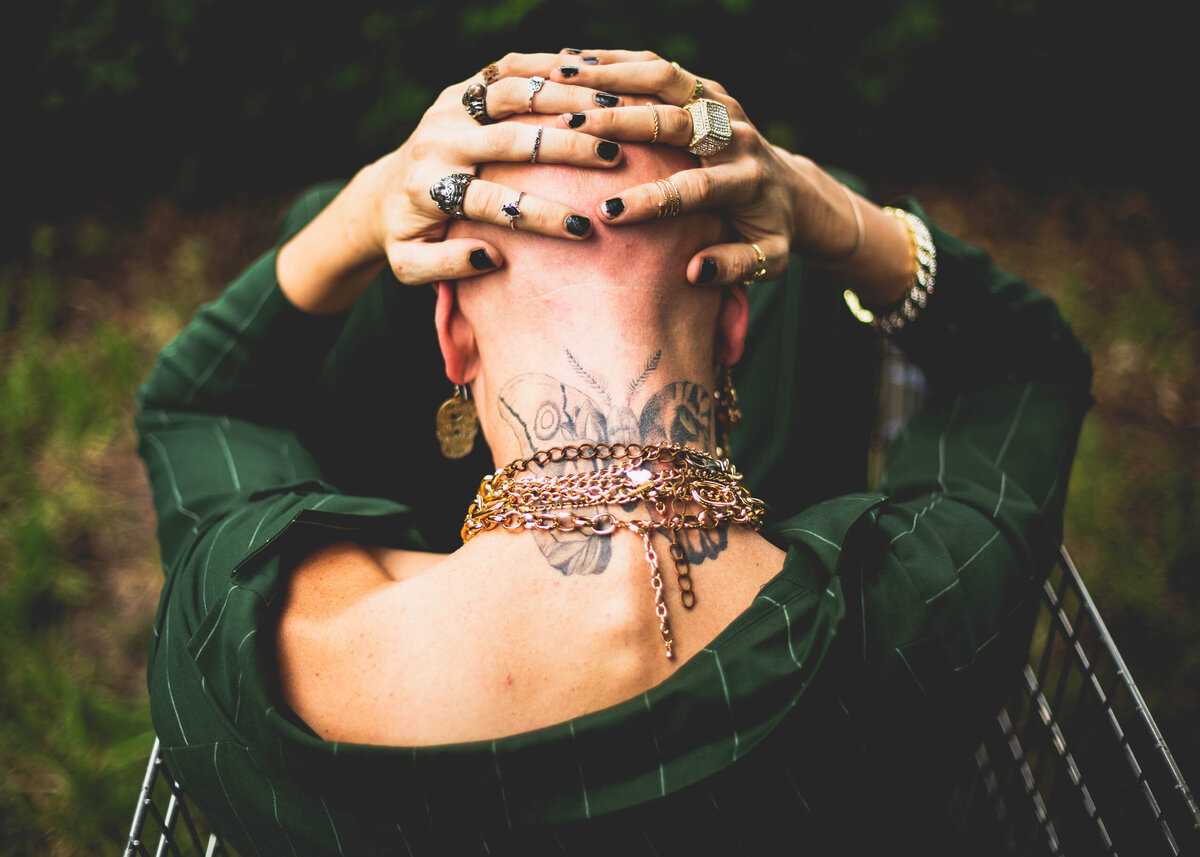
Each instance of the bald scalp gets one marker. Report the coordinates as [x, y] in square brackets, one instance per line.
[627, 278]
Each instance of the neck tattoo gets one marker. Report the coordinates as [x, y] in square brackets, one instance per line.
[683, 489]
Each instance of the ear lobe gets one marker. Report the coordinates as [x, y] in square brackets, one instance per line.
[732, 323]
[456, 339]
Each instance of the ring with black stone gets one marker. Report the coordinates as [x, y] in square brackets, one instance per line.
[512, 211]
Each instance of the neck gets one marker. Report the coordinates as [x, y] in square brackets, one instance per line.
[635, 394]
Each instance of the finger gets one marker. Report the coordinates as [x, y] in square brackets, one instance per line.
[513, 95]
[659, 123]
[604, 56]
[418, 262]
[514, 143]
[524, 65]
[486, 202]
[698, 189]
[669, 82]
[731, 264]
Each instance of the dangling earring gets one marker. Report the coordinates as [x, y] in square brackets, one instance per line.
[726, 410]
[457, 424]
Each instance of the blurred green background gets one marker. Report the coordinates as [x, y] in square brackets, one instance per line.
[151, 147]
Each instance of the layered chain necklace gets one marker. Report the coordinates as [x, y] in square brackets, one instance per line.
[684, 489]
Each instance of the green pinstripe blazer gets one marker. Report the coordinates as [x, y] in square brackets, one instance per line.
[816, 720]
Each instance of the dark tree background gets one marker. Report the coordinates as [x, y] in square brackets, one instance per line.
[112, 103]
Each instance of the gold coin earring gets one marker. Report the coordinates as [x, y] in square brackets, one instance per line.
[457, 424]
[726, 410]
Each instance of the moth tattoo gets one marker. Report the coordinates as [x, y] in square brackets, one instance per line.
[545, 412]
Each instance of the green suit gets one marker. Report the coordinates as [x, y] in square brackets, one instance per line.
[886, 639]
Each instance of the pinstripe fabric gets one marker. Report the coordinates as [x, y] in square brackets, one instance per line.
[879, 646]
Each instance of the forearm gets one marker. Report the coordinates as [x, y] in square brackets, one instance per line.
[869, 250]
[331, 261]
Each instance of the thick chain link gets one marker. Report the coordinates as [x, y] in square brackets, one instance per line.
[676, 475]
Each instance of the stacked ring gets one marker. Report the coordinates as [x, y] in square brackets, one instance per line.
[761, 272]
[654, 113]
[711, 131]
[449, 192]
[475, 100]
[671, 203]
[535, 86]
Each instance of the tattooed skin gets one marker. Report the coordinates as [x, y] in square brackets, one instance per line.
[545, 412]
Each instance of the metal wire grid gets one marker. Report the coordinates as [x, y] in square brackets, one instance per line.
[1076, 763]
[163, 811]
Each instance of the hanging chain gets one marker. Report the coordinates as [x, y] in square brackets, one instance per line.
[659, 475]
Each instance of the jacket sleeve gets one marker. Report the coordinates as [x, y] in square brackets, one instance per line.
[217, 428]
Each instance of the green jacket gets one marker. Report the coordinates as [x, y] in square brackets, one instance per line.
[866, 666]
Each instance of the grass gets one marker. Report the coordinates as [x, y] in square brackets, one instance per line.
[84, 313]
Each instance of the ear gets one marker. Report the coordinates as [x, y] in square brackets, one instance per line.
[455, 336]
[732, 323]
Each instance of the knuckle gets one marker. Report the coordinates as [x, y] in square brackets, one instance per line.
[700, 183]
[499, 140]
[678, 122]
[664, 73]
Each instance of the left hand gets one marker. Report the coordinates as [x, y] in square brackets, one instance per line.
[777, 200]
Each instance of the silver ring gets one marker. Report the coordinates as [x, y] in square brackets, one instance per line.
[475, 100]
[711, 131]
[512, 211]
[449, 192]
[535, 86]
[537, 144]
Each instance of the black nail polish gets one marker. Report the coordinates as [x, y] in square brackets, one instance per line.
[708, 270]
[577, 119]
[613, 207]
[575, 51]
[480, 260]
[577, 224]
[607, 151]
[568, 70]
[606, 100]
[592, 60]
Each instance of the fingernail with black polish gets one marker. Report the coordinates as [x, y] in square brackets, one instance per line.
[607, 151]
[613, 207]
[480, 260]
[577, 119]
[577, 225]
[592, 60]
[568, 70]
[606, 100]
[575, 51]
[708, 270]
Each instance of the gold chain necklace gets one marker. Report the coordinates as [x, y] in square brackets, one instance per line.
[670, 479]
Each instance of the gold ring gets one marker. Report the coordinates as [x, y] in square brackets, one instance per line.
[711, 131]
[761, 273]
[671, 201]
[490, 73]
[654, 113]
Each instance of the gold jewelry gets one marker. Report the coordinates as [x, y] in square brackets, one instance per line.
[711, 131]
[457, 424]
[761, 272]
[924, 267]
[671, 203]
[664, 476]
[490, 73]
[726, 410]
[697, 88]
[654, 113]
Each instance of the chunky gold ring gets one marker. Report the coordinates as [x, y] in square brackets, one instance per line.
[671, 203]
[491, 73]
[711, 131]
[761, 273]
[654, 113]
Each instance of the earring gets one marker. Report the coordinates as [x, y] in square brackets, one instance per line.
[726, 410]
[457, 424]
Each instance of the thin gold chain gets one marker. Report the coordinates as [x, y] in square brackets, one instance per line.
[662, 476]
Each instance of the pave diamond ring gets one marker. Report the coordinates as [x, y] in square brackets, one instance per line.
[711, 131]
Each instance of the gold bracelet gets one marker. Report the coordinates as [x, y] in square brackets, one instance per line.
[923, 278]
